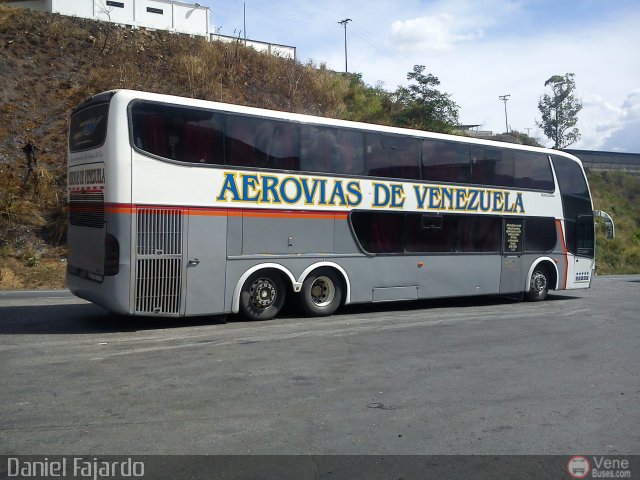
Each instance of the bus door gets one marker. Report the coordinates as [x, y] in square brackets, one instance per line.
[582, 244]
[205, 261]
[511, 276]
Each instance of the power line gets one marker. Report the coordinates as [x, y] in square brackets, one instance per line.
[359, 31]
[308, 17]
[305, 17]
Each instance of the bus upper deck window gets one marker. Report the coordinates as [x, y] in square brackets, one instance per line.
[444, 161]
[178, 133]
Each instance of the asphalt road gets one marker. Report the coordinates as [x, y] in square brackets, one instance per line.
[475, 376]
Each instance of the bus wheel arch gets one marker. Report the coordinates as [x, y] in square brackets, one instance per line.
[261, 291]
[543, 276]
[323, 291]
[346, 283]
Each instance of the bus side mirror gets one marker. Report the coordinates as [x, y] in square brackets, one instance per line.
[609, 226]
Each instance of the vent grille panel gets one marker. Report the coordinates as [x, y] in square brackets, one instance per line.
[159, 261]
[86, 209]
[159, 232]
[158, 285]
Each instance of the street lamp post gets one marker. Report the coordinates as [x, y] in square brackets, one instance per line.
[344, 24]
[504, 98]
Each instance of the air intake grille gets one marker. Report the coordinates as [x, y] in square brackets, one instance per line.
[86, 209]
[159, 261]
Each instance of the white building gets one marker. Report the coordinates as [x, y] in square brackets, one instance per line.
[190, 18]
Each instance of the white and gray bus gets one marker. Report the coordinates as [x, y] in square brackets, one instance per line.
[188, 207]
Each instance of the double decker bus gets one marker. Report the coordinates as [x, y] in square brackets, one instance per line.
[182, 207]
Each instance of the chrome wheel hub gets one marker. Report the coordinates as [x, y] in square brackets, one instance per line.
[538, 282]
[322, 292]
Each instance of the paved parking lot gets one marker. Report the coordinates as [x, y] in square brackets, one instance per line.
[474, 376]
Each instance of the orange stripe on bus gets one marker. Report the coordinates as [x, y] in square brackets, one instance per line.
[231, 212]
[564, 253]
[120, 209]
[287, 214]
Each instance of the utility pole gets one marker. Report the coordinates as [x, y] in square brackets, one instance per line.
[504, 98]
[344, 24]
[244, 18]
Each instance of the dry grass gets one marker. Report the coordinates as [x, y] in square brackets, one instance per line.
[31, 270]
[51, 63]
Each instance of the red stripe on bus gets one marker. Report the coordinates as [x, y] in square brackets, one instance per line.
[564, 253]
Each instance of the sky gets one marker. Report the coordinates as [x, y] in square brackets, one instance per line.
[478, 50]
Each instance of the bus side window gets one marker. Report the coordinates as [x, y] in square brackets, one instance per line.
[482, 169]
[392, 156]
[540, 234]
[177, 133]
[201, 142]
[319, 151]
[444, 161]
[504, 161]
[533, 171]
[485, 233]
[240, 134]
[379, 232]
[492, 166]
[428, 233]
[150, 133]
[277, 145]
[351, 152]
[387, 232]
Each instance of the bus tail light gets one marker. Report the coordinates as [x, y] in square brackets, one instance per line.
[111, 256]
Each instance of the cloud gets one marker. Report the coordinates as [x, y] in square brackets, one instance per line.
[478, 50]
[437, 32]
[619, 132]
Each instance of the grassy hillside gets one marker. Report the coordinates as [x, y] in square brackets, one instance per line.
[619, 195]
[50, 63]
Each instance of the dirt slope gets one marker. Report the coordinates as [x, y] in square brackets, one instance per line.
[49, 63]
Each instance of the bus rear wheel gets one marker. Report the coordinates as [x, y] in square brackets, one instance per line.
[539, 285]
[321, 293]
[262, 296]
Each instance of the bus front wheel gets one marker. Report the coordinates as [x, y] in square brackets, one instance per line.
[262, 296]
[321, 293]
[539, 285]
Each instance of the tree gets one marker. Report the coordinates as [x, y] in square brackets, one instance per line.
[560, 111]
[424, 107]
[524, 138]
[365, 103]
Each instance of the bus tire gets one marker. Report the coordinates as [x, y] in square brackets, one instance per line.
[321, 293]
[539, 285]
[262, 295]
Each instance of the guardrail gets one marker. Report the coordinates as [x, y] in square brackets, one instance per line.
[284, 51]
[608, 161]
